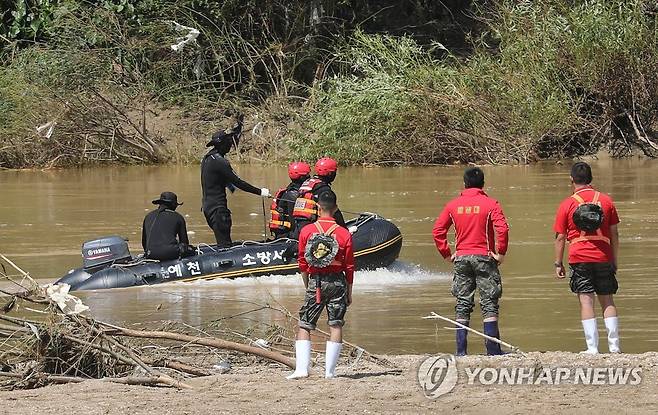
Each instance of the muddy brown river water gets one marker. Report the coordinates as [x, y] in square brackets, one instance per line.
[46, 215]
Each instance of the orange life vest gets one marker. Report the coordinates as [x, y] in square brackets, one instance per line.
[583, 235]
[305, 206]
[279, 220]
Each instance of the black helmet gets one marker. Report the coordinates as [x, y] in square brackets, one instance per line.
[588, 217]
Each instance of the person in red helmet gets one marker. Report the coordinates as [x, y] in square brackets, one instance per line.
[306, 207]
[281, 220]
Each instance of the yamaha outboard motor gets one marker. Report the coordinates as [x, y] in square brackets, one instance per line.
[105, 251]
[97, 254]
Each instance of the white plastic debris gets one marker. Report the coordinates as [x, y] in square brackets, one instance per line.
[69, 304]
[258, 128]
[190, 37]
[34, 329]
[222, 367]
[48, 127]
[262, 343]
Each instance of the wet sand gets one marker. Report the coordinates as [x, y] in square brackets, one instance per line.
[366, 388]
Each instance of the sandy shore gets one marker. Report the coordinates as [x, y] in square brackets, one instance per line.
[366, 388]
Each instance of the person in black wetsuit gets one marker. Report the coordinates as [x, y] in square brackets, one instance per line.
[216, 176]
[282, 223]
[164, 234]
[306, 208]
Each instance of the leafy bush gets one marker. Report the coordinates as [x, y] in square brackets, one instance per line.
[563, 80]
[542, 79]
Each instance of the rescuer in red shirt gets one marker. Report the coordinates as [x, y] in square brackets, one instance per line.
[326, 260]
[481, 236]
[588, 220]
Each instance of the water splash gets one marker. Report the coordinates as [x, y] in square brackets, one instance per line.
[398, 273]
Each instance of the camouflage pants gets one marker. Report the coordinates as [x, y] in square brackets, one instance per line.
[476, 272]
[333, 290]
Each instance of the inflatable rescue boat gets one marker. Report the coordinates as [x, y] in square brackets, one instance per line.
[107, 262]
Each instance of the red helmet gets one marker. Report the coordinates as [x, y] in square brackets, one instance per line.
[298, 169]
[325, 166]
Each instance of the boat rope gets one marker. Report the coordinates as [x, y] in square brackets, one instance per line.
[281, 199]
[264, 218]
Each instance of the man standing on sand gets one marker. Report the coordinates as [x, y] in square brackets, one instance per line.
[326, 260]
[588, 220]
[476, 218]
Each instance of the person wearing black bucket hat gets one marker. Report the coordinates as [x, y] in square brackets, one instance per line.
[167, 199]
[217, 175]
[164, 233]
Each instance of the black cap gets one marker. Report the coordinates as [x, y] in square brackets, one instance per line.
[167, 198]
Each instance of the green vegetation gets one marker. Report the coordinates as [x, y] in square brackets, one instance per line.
[562, 80]
[368, 82]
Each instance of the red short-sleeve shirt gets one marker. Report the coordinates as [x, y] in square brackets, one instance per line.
[586, 251]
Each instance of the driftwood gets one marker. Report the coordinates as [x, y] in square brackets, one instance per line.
[64, 347]
[434, 316]
[358, 351]
[176, 365]
[203, 341]
[128, 380]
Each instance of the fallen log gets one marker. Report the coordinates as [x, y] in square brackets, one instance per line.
[176, 365]
[204, 341]
[129, 380]
[168, 380]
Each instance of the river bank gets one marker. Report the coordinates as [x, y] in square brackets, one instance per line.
[472, 87]
[363, 389]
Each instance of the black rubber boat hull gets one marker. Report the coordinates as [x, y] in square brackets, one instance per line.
[377, 244]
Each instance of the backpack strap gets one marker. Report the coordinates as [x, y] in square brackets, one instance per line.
[599, 234]
[595, 200]
[578, 198]
[329, 231]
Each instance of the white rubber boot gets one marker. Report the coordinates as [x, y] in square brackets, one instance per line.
[591, 336]
[332, 355]
[302, 359]
[612, 327]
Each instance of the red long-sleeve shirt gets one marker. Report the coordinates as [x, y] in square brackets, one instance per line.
[345, 255]
[476, 216]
